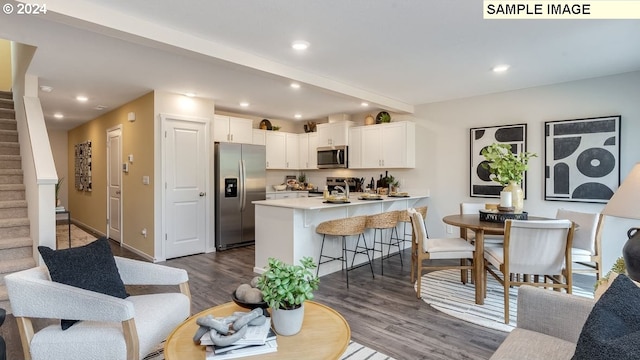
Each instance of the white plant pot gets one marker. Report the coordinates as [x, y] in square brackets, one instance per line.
[287, 322]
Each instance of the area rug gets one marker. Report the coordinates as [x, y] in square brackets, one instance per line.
[354, 351]
[79, 237]
[444, 292]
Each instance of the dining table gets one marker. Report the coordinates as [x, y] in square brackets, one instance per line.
[480, 228]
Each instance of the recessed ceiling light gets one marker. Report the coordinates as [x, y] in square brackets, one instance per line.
[300, 45]
[244, 104]
[58, 115]
[100, 107]
[295, 85]
[500, 68]
[82, 98]
[46, 88]
[297, 116]
[364, 104]
[190, 94]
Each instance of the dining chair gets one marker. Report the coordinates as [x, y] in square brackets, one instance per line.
[533, 247]
[425, 249]
[404, 219]
[474, 208]
[586, 252]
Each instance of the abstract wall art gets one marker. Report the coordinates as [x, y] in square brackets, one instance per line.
[83, 166]
[480, 183]
[582, 159]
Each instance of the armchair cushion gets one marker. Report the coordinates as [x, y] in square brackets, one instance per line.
[612, 330]
[90, 267]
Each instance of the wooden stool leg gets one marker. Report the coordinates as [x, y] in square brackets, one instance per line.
[320, 257]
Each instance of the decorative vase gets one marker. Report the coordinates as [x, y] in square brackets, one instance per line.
[631, 254]
[287, 322]
[517, 196]
[369, 120]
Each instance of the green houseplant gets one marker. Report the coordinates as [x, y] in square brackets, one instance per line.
[285, 287]
[504, 165]
[507, 169]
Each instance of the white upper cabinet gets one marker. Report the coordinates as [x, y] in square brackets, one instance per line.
[308, 143]
[276, 149]
[281, 150]
[334, 134]
[232, 129]
[390, 145]
[259, 137]
[292, 160]
[355, 147]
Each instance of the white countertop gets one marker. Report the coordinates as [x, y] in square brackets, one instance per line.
[312, 203]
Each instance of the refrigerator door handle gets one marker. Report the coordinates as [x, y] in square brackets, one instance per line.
[243, 188]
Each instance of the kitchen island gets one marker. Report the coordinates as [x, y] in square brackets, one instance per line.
[286, 228]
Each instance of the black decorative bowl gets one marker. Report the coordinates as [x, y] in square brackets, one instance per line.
[247, 305]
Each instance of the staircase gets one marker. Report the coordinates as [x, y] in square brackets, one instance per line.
[16, 247]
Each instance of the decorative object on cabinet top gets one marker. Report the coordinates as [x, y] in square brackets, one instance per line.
[369, 120]
[383, 117]
[265, 125]
[310, 126]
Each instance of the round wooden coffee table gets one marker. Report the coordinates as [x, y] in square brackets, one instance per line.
[325, 335]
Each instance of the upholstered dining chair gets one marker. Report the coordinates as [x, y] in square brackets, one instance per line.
[532, 247]
[110, 328]
[474, 208]
[586, 252]
[425, 249]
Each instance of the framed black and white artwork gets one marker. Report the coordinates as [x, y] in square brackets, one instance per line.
[480, 183]
[582, 159]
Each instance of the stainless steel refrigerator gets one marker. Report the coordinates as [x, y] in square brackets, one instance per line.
[240, 178]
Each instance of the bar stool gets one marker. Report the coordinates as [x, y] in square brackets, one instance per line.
[343, 228]
[405, 219]
[387, 220]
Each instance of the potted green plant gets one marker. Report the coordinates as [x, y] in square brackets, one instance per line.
[285, 288]
[507, 169]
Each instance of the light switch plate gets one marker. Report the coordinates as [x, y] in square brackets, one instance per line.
[145, 180]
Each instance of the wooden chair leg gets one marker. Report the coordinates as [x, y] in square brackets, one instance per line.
[463, 272]
[506, 299]
[419, 279]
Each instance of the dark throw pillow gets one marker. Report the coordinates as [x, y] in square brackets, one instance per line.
[612, 330]
[90, 267]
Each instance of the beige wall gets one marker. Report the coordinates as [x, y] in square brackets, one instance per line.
[90, 208]
[5, 65]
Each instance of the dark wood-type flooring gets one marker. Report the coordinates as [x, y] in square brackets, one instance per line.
[383, 313]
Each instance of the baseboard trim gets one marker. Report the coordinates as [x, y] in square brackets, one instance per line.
[97, 233]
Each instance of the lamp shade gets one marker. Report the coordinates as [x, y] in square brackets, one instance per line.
[625, 202]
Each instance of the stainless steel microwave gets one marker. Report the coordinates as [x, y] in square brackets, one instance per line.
[332, 157]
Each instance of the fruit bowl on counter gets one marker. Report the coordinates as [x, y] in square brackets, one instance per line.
[280, 187]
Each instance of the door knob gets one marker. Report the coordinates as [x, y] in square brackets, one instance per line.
[203, 194]
[118, 192]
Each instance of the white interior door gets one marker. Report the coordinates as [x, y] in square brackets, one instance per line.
[186, 159]
[114, 184]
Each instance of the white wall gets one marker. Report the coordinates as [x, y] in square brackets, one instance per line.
[58, 141]
[443, 143]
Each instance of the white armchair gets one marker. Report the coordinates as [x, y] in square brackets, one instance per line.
[110, 328]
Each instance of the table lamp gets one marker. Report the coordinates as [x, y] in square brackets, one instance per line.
[625, 203]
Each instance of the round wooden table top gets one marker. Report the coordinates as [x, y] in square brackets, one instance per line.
[325, 334]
